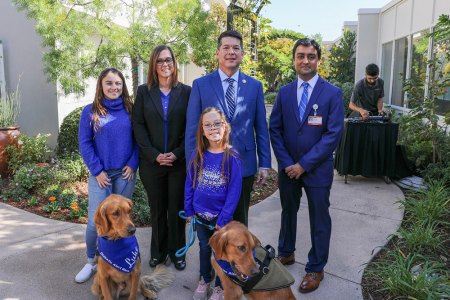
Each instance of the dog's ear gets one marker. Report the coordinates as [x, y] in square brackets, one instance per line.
[130, 203]
[256, 241]
[100, 218]
[218, 243]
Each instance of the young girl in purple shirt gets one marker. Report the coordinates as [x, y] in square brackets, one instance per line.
[212, 189]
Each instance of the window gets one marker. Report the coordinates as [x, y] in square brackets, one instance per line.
[386, 67]
[419, 58]
[399, 74]
[441, 50]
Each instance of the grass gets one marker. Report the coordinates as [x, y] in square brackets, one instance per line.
[415, 263]
[411, 276]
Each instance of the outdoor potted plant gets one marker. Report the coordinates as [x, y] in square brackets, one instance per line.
[9, 112]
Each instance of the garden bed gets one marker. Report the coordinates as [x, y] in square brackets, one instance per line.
[38, 202]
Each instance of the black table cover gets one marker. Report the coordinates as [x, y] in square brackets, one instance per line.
[367, 149]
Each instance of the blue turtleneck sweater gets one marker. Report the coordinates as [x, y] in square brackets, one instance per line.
[112, 146]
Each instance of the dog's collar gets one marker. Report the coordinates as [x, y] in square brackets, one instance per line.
[232, 272]
[272, 276]
[122, 254]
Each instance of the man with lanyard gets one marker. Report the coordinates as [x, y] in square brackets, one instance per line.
[367, 97]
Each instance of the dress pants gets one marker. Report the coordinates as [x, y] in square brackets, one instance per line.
[241, 212]
[319, 220]
[165, 191]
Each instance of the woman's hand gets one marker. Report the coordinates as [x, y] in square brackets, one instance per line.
[128, 173]
[166, 159]
[103, 180]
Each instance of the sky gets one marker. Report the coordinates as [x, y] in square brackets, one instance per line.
[320, 16]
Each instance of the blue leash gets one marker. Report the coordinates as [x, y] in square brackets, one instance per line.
[190, 239]
[108, 187]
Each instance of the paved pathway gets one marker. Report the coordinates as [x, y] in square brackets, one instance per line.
[40, 257]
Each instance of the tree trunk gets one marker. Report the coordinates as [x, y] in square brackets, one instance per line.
[134, 74]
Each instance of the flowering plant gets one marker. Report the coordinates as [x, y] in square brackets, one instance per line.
[52, 205]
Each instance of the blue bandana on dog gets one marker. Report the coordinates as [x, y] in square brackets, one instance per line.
[121, 254]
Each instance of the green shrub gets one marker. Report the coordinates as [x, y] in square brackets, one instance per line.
[33, 201]
[438, 171]
[16, 193]
[270, 98]
[51, 206]
[70, 168]
[68, 133]
[32, 177]
[67, 198]
[411, 276]
[347, 90]
[64, 197]
[53, 190]
[141, 208]
[29, 150]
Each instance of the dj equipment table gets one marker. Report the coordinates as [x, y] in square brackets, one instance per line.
[367, 148]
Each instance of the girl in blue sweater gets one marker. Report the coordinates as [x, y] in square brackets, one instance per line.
[212, 189]
[109, 151]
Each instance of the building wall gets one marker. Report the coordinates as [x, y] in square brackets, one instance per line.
[23, 61]
[400, 24]
[366, 40]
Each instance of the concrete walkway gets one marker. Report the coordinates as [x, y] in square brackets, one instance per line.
[40, 257]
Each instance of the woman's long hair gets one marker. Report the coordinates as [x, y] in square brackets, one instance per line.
[152, 76]
[203, 144]
[98, 107]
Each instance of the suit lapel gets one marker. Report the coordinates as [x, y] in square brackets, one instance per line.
[155, 98]
[217, 87]
[314, 97]
[294, 103]
[174, 98]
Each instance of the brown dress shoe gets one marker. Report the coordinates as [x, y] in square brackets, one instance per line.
[287, 260]
[310, 282]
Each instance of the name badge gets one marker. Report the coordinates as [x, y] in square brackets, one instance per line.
[315, 120]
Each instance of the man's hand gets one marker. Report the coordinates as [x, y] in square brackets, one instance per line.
[262, 176]
[364, 114]
[294, 171]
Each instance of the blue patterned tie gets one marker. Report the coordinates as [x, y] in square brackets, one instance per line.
[303, 100]
[229, 96]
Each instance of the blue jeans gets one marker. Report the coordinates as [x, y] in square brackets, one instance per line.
[97, 195]
[204, 234]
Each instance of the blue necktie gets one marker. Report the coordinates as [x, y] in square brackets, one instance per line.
[229, 96]
[303, 100]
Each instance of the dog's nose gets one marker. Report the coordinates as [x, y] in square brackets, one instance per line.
[131, 229]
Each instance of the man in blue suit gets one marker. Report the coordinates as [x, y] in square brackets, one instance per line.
[241, 98]
[305, 127]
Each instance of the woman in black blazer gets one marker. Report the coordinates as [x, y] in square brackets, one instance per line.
[159, 123]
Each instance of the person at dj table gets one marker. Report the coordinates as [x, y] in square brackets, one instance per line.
[367, 96]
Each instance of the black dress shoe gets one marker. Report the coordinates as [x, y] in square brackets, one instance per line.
[156, 261]
[180, 264]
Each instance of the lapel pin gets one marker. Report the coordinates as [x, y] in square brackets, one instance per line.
[244, 81]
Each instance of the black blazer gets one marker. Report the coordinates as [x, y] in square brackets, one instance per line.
[148, 121]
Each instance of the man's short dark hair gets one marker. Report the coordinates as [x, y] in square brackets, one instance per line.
[230, 33]
[307, 42]
[372, 70]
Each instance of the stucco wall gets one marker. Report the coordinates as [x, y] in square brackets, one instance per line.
[366, 40]
[23, 59]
